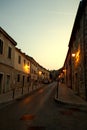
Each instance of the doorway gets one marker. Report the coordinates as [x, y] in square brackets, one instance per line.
[23, 80]
[1, 80]
[8, 82]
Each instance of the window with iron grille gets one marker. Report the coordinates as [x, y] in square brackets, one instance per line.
[19, 59]
[9, 52]
[24, 62]
[1, 46]
[18, 78]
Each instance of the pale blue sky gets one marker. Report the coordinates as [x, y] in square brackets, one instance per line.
[42, 28]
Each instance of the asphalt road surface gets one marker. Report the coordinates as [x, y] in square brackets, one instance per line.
[39, 111]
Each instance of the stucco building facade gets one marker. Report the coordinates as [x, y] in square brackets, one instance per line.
[17, 70]
[7, 54]
[22, 69]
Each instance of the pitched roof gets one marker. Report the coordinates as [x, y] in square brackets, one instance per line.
[9, 37]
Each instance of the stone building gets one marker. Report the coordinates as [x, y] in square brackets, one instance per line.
[67, 70]
[76, 60]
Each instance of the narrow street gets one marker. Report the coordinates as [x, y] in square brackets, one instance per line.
[39, 111]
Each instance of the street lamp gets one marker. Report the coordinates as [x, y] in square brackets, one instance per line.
[39, 74]
[73, 54]
[76, 56]
[26, 68]
[74, 71]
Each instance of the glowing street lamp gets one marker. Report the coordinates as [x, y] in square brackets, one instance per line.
[40, 73]
[76, 56]
[73, 54]
[26, 68]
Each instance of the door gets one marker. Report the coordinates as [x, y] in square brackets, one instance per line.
[8, 83]
[23, 84]
[1, 79]
[23, 80]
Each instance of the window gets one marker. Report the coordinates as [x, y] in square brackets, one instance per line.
[8, 83]
[1, 46]
[18, 78]
[24, 62]
[28, 78]
[9, 52]
[1, 81]
[19, 59]
[28, 63]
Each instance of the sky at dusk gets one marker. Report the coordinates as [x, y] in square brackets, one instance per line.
[41, 28]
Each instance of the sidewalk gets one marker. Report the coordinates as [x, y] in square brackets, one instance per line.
[67, 96]
[8, 98]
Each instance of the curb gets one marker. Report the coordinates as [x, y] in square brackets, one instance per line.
[81, 107]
